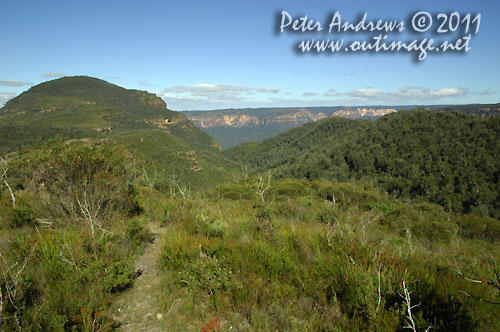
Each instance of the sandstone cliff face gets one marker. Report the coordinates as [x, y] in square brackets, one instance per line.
[297, 116]
[359, 113]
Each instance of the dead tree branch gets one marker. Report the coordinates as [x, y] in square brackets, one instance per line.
[409, 317]
[4, 170]
[262, 187]
[244, 170]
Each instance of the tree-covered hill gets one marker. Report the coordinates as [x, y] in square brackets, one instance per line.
[447, 158]
[168, 146]
[97, 106]
[481, 110]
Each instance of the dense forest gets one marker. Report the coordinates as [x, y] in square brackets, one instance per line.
[446, 158]
[338, 225]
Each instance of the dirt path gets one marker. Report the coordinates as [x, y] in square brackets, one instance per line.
[139, 308]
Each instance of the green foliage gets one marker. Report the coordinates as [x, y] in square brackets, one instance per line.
[82, 181]
[26, 210]
[60, 271]
[237, 191]
[53, 265]
[306, 253]
[210, 225]
[302, 261]
[208, 274]
[345, 195]
[291, 188]
[445, 158]
[474, 227]
[136, 231]
[118, 277]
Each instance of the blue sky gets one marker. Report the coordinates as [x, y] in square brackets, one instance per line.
[228, 54]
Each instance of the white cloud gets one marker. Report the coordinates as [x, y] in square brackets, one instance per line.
[206, 95]
[5, 96]
[406, 95]
[268, 90]
[486, 92]
[205, 89]
[363, 93]
[331, 93]
[52, 74]
[14, 83]
[214, 96]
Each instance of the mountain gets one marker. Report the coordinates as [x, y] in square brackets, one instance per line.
[231, 127]
[484, 111]
[448, 158]
[234, 126]
[85, 107]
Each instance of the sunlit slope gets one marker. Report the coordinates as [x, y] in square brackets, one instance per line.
[86, 107]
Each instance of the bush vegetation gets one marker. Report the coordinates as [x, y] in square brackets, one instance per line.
[69, 240]
[343, 225]
[324, 256]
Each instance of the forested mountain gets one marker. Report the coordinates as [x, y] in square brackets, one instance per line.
[481, 110]
[83, 107]
[447, 158]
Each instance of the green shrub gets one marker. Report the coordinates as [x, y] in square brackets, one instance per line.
[75, 177]
[238, 191]
[290, 188]
[207, 273]
[346, 195]
[26, 210]
[119, 277]
[326, 214]
[136, 232]
[209, 225]
[474, 227]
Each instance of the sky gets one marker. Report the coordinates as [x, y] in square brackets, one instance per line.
[201, 55]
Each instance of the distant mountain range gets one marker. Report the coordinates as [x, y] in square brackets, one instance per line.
[231, 127]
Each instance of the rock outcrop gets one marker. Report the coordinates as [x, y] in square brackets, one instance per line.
[293, 116]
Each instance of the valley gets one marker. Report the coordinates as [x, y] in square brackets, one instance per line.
[231, 127]
[117, 213]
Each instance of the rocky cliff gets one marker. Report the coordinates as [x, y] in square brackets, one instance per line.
[233, 126]
[290, 116]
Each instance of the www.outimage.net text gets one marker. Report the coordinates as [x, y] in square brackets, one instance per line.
[436, 33]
